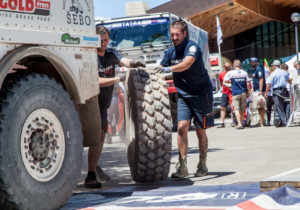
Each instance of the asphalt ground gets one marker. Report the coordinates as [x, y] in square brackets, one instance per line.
[236, 158]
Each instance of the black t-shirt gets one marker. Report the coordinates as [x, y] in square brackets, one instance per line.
[106, 69]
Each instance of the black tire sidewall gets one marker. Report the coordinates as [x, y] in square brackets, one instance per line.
[33, 94]
[149, 149]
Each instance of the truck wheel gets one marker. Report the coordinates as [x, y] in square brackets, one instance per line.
[41, 143]
[148, 126]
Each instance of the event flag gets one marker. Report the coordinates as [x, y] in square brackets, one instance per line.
[266, 68]
[219, 32]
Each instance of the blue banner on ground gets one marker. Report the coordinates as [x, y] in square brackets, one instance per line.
[236, 196]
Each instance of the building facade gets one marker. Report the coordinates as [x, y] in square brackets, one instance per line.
[261, 28]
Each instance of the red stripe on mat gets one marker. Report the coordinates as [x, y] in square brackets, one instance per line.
[249, 205]
[181, 209]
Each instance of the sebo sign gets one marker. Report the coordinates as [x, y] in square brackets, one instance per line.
[76, 19]
[75, 12]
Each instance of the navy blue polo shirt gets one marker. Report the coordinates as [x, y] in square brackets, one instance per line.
[193, 81]
[106, 69]
[239, 80]
[257, 74]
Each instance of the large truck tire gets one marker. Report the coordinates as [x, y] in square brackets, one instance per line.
[148, 126]
[41, 143]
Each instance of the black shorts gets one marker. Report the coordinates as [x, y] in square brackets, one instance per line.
[104, 122]
[198, 108]
[224, 100]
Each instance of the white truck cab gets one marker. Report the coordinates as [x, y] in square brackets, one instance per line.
[48, 76]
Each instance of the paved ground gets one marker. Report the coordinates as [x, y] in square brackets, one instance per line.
[234, 156]
[237, 161]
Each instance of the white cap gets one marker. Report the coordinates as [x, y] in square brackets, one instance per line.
[276, 63]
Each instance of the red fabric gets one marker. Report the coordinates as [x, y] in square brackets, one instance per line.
[225, 90]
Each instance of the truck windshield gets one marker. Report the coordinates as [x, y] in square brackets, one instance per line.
[136, 33]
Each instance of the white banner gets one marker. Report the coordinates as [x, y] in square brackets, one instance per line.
[219, 32]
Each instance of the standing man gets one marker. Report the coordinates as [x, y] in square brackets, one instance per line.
[240, 91]
[195, 96]
[107, 61]
[259, 87]
[278, 82]
[226, 94]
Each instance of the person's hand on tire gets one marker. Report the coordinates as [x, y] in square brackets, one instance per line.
[135, 64]
[164, 70]
[122, 78]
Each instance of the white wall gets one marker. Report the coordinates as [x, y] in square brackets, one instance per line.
[136, 8]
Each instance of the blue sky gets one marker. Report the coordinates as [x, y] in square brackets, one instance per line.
[116, 8]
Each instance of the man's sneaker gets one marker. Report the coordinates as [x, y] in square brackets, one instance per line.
[101, 176]
[202, 170]
[268, 123]
[222, 125]
[91, 181]
[181, 167]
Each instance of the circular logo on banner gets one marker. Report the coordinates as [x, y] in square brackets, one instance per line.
[193, 49]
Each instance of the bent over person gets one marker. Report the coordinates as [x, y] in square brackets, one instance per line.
[195, 96]
[107, 61]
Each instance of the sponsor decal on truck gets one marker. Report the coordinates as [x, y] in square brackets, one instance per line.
[37, 7]
[76, 12]
[67, 39]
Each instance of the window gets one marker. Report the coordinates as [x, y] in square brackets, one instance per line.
[136, 33]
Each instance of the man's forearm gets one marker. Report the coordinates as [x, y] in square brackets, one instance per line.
[180, 67]
[184, 65]
[268, 88]
[261, 84]
[106, 82]
[248, 87]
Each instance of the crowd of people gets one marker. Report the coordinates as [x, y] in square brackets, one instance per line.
[264, 91]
